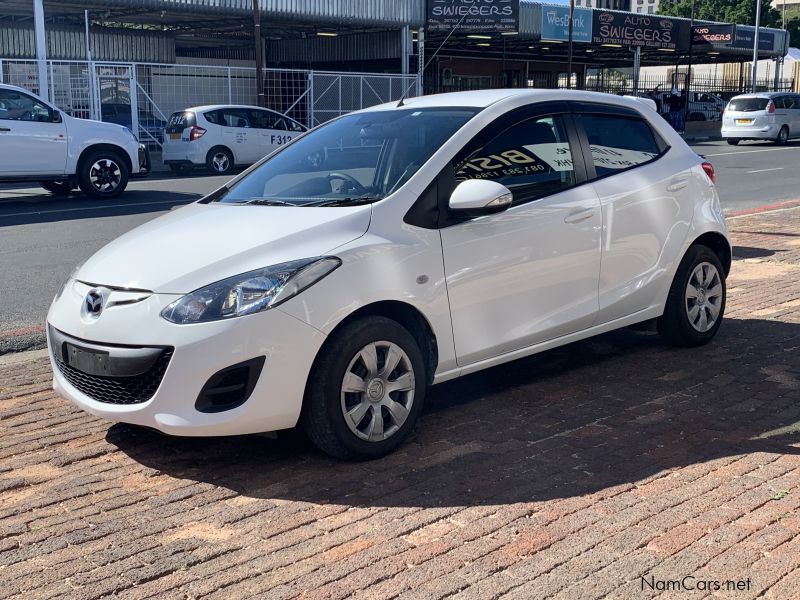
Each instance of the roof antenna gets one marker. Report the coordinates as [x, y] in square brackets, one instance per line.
[425, 66]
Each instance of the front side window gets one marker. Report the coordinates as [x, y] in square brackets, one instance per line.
[618, 143]
[357, 158]
[532, 159]
[16, 106]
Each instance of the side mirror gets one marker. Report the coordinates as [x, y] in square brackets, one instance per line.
[476, 197]
[55, 116]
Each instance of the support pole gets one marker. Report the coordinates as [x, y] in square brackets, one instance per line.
[421, 65]
[405, 38]
[261, 99]
[637, 62]
[569, 43]
[754, 71]
[688, 85]
[41, 48]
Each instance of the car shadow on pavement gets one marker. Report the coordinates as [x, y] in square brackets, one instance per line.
[48, 209]
[609, 411]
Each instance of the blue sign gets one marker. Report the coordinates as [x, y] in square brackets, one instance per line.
[745, 39]
[555, 24]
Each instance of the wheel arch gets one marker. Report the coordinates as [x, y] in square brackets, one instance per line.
[117, 150]
[719, 244]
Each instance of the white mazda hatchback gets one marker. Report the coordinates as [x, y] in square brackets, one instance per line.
[388, 250]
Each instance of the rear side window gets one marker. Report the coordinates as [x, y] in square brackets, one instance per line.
[619, 143]
[748, 104]
[179, 121]
[531, 158]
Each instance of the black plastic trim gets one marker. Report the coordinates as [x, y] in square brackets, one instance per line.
[205, 400]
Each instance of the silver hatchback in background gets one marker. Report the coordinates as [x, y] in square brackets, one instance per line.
[764, 116]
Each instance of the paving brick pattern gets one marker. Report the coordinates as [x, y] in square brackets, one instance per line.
[592, 471]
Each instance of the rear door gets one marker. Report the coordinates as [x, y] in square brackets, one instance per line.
[646, 194]
[240, 134]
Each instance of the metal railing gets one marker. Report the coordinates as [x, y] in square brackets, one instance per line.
[142, 96]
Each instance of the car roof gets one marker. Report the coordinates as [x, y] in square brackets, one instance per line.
[8, 86]
[485, 98]
[219, 106]
[760, 95]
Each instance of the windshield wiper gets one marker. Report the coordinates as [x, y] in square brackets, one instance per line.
[346, 201]
[265, 202]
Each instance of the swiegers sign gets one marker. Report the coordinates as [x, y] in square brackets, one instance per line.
[473, 15]
[713, 34]
[652, 31]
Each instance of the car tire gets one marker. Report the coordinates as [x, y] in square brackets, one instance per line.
[696, 301]
[180, 169]
[57, 188]
[783, 136]
[733, 142]
[219, 161]
[102, 174]
[369, 420]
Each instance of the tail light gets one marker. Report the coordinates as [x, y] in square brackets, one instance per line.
[771, 107]
[709, 169]
[196, 133]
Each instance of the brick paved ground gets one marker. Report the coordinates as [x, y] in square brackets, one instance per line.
[569, 475]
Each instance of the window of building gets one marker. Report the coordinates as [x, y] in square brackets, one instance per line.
[619, 143]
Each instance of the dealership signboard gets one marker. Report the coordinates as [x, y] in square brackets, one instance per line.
[646, 31]
[744, 39]
[714, 34]
[555, 24]
[473, 15]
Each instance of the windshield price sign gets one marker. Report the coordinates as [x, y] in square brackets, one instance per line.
[473, 15]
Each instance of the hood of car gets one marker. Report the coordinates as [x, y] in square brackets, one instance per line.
[199, 244]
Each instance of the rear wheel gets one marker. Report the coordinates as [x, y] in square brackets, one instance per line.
[366, 390]
[103, 174]
[783, 136]
[220, 161]
[57, 188]
[696, 301]
[733, 142]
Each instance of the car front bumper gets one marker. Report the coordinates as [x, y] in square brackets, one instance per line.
[145, 165]
[125, 332]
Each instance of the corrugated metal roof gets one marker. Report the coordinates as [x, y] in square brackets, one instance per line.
[345, 12]
[362, 46]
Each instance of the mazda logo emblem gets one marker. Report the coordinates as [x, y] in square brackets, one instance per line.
[94, 303]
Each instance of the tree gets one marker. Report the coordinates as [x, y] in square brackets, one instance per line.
[741, 12]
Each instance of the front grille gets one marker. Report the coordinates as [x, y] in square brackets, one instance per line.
[117, 390]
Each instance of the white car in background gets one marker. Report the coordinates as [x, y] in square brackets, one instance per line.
[390, 249]
[771, 116]
[40, 143]
[221, 137]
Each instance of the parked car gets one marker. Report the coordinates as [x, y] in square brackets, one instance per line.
[703, 106]
[43, 144]
[151, 128]
[223, 137]
[390, 249]
[763, 116]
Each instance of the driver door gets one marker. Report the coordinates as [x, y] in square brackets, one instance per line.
[37, 144]
[528, 274]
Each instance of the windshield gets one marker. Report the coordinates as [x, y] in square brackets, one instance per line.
[748, 104]
[356, 159]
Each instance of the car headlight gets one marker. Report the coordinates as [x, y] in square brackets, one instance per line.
[249, 292]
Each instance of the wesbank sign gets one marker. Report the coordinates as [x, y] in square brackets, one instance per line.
[555, 24]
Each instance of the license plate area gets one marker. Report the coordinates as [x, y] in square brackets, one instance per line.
[174, 136]
[91, 362]
[744, 121]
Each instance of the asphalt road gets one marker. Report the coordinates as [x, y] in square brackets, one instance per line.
[43, 238]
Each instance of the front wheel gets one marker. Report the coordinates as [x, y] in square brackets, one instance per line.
[366, 390]
[103, 175]
[57, 188]
[733, 142]
[696, 300]
[783, 136]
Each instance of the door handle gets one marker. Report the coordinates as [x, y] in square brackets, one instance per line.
[579, 216]
[4, 129]
[678, 184]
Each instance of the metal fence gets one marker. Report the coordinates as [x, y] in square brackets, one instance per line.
[142, 96]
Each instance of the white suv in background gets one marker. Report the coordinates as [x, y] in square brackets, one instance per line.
[771, 116]
[220, 137]
[41, 143]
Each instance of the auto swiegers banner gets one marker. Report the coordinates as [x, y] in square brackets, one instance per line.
[473, 15]
[646, 31]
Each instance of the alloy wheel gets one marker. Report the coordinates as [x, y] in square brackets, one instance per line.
[703, 297]
[377, 391]
[105, 175]
[221, 162]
